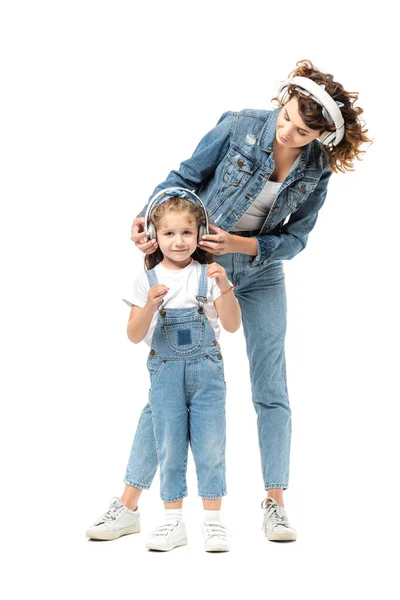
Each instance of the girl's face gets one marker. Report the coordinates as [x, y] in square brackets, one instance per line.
[291, 131]
[177, 239]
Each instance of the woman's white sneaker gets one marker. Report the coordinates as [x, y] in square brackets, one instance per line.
[169, 535]
[117, 520]
[215, 536]
[276, 525]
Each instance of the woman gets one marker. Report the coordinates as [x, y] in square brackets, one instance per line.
[263, 176]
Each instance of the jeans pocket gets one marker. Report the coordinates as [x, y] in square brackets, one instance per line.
[217, 364]
[155, 366]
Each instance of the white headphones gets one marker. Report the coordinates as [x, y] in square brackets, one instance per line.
[319, 95]
[166, 194]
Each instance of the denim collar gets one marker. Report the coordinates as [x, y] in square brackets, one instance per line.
[308, 158]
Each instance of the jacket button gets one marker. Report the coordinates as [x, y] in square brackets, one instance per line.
[276, 209]
[303, 188]
[240, 163]
[268, 228]
[264, 262]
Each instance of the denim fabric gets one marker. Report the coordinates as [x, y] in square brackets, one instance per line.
[230, 166]
[262, 298]
[187, 403]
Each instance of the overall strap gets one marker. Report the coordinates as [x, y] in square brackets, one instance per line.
[202, 291]
[152, 277]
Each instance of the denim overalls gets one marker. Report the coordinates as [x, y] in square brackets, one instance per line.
[187, 398]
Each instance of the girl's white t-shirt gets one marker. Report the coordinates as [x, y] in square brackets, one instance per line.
[183, 288]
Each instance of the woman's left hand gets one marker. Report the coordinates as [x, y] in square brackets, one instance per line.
[218, 241]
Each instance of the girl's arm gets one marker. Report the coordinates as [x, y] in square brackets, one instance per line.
[140, 318]
[226, 305]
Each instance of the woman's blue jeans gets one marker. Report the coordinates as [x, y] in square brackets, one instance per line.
[262, 298]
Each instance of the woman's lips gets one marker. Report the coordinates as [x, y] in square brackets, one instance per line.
[283, 140]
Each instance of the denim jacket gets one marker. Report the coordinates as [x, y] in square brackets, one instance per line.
[230, 166]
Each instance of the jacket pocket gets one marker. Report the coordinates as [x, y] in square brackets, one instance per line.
[238, 169]
[299, 192]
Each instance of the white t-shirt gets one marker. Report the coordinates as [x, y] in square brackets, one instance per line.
[184, 286]
[255, 215]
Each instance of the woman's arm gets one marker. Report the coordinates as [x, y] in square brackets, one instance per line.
[293, 236]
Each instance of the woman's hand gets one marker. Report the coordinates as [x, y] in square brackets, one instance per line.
[215, 271]
[218, 242]
[155, 294]
[139, 236]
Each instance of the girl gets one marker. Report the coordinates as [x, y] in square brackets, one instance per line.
[175, 307]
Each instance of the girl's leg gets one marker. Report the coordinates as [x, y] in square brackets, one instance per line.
[143, 461]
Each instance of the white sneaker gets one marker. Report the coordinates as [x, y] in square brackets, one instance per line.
[276, 525]
[117, 520]
[168, 536]
[215, 536]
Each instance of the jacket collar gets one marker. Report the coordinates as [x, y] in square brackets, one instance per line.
[311, 153]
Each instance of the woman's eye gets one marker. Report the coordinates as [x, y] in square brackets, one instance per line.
[303, 134]
[286, 118]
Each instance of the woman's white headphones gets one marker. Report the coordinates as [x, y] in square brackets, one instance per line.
[166, 194]
[330, 108]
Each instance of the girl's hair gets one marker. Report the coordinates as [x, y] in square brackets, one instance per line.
[341, 157]
[175, 204]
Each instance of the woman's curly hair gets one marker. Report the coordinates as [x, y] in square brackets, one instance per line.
[342, 156]
[175, 204]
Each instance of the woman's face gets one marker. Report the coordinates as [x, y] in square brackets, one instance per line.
[291, 131]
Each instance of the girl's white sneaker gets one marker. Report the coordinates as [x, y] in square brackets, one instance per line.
[276, 525]
[169, 535]
[215, 536]
[117, 520]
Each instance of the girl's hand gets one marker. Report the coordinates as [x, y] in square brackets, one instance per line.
[139, 236]
[215, 271]
[156, 293]
[218, 242]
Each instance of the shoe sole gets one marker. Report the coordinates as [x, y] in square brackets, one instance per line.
[281, 537]
[112, 535]
[151, 546]
[217, 549]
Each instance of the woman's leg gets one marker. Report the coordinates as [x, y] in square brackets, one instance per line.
[262, 297]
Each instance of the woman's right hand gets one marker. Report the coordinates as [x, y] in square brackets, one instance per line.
[139, 236]
[156, 293]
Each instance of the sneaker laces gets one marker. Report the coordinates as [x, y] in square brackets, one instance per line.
[166, 529]
[216, 529]
[274, 513]
[116, 508]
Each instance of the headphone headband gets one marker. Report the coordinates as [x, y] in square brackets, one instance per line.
[326, 101]
[169, 193]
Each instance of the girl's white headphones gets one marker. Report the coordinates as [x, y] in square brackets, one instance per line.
[166, 194]
[330, 108]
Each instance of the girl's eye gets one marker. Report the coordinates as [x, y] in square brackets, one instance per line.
[188, 232]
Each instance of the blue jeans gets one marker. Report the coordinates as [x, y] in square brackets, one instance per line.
[187, 398]
[262, 298]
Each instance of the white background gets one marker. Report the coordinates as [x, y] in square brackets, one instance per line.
[99, 101]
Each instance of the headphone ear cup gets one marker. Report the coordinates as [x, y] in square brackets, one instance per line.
[327, 138]
[152, 232]
[202, 231]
